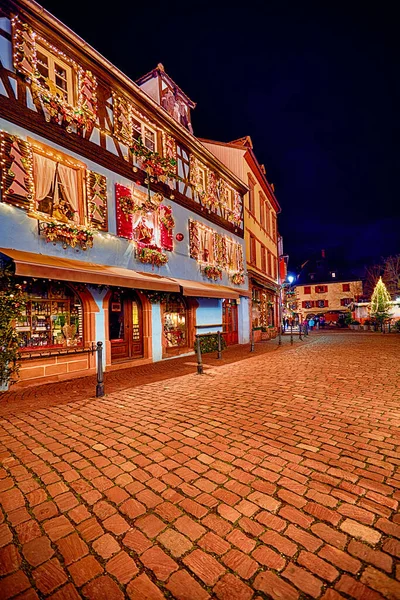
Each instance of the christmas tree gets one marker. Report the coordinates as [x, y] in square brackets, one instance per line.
[380, 303]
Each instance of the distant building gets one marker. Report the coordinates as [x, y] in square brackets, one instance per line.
[323, 290]
[263, 242]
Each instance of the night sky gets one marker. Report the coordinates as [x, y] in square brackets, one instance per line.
[315, 85]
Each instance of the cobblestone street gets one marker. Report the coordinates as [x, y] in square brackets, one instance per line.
[274, 476]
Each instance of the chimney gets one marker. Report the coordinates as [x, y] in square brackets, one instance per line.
[323, 253]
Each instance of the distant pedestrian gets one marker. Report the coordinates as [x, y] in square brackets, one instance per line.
[311, 324]
[287, 322]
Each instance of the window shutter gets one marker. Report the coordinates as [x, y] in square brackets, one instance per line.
[24, 48]
[167, 224]
[87, 93]
[96, 195]
[194, 240]
[326, 303]
[304, 304]
[16, 171]
[124, 222]
[122, 119]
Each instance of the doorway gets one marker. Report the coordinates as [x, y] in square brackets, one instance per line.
[125, 326]
[230, 322]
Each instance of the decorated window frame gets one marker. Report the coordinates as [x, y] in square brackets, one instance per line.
[216, 253]
[53, 81]
[78, 112]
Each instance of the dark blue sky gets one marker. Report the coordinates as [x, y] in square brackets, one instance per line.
[315, 85]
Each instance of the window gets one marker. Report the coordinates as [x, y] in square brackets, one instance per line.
[333, 275]
[263, 259]
[321, 303]
[253, 258]
[262, 209]
[55, 75]
[346, 287]
[269, 271]
[148, 136]
[58, 185]
[251, 196]
[202, 178]
[175, 323]
[307, 304]
[346, 301]
[274, 230]
[229, 198]
[321, 289]
[267, 218]
[275, 267]
[52, 318]
[307, 289]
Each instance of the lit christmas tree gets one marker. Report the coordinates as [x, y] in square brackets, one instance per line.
[380, 303]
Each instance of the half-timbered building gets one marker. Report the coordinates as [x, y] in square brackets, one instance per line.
[261, 233]
[121, 225]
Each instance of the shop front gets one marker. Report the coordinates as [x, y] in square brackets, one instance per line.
[263, 319]
[125, 325]
[230, 321]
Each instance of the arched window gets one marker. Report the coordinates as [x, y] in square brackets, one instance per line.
[53, 317]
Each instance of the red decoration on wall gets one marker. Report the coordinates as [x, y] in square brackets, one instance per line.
[124, 222]
[179, 237]
[166, 227]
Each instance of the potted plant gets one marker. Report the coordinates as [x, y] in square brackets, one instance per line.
[366, 325]
[355, 325]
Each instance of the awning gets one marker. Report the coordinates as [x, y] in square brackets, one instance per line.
[29, 264]
[209, 290]
[272, 287]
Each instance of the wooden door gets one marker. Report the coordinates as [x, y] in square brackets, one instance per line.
[230, 322]
[125, 326]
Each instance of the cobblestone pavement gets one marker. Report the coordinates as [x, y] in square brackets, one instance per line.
[272, 477]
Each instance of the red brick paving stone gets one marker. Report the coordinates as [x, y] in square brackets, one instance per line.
[135, 540]
[332, 595]
[49, 576]
[55, 489]
[275, 587]
[251, 527]
[90, 529]
[176, 543]
[356, 589]
[79, 514]
[304, 581]
[167, 511]
[362, 532]
[374, 557]
[271, 521]
[231, 588]
[10, 560]
[91, 497]
[104, 509]
[106, 546]
[160, 563]
[116, 524]
[282, 544]
[388, 587]
[340, 559]
[150, 525]
[18, 516]
[302, 537]
[204, 566]
[330, 535]
[68, 592]
[317, 566]
[123, 567]
[37, 551]
[356, 513]
[149, 498]
[103, 588]
[27, 531]
[388, 527]
[72, 548]
[189, 528]
[132, 508]
[13, 584]
[117, 495]
[57, 528]
[193, 508]
[217, 524]
[28, 595]
[392, 547]
[36, 497]
[264, 501]
[84, 570]
[11, 500]
[268, 558]
[295, 516]
[184, 587]
[141, 588]
[240, 563]
[45, 511]
[228, 513]
[213, 543]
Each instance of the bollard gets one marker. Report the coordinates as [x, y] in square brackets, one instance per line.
[219, 355]
[300, 337]
[291, 335]
[100, 383]
[199, 357]
[252, 341]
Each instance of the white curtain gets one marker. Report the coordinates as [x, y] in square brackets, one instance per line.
[44, 170]
[69, 180]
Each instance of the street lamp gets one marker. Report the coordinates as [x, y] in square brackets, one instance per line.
[287, 283]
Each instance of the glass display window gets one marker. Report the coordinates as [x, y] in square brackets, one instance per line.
[52, 318]
[175, 325]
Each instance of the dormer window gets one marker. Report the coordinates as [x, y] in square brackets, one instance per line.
[55, 75]
[333, 275]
